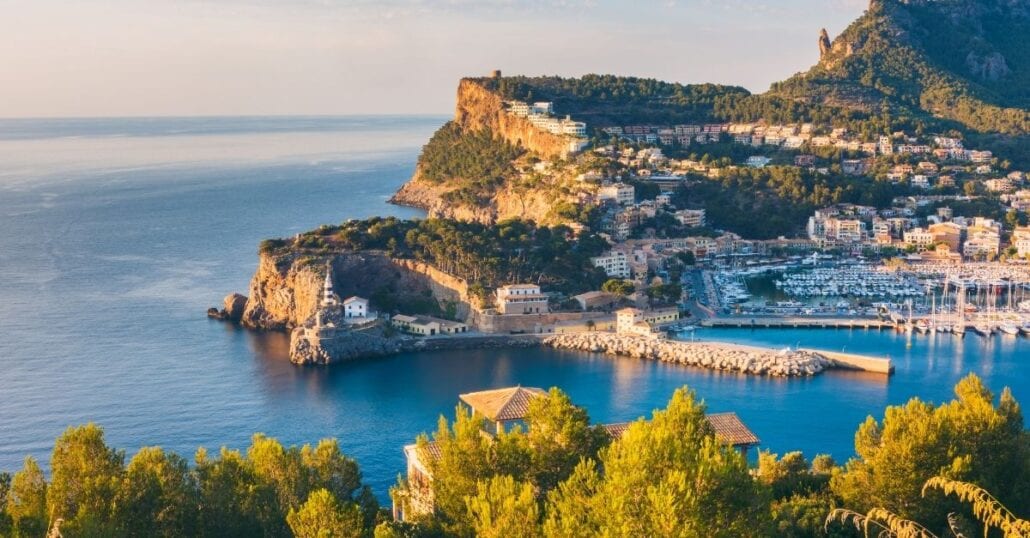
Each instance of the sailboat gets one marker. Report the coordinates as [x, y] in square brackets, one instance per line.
[960, 310]
[1008, 328]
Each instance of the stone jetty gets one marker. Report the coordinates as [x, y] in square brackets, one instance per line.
[711, 355]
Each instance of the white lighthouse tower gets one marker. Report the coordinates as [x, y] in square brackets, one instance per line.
[329, 297]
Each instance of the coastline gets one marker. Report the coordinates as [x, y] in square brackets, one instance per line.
[720, 356]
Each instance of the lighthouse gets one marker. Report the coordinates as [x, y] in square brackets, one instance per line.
[328, 296]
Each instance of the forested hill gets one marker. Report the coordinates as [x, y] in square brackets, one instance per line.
[602, 100]
[967, 61]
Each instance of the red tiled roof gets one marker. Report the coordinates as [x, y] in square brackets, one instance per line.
[510, 403]
[728, 428]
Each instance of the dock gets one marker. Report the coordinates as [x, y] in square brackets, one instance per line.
[797, 322]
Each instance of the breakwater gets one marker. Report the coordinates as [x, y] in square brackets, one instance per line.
[711, 355]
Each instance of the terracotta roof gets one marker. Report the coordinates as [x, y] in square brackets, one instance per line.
[616, 430]
[510, 403]
[728, 427]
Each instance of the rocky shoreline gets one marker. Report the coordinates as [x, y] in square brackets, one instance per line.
[353, 345]
[714, 356]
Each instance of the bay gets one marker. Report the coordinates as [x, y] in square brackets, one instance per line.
[117, 234]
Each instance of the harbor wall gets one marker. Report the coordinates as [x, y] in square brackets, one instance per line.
[857, 362]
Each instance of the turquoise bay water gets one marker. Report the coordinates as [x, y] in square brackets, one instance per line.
[118, 234]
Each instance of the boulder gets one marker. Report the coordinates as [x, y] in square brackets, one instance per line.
[235, 304]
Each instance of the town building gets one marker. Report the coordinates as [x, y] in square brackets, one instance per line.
[757, 161]
[597, 300]
[521, 299]
[355, 307]
[691, 217]
[620, 193]
[615, 264]
[427, 325]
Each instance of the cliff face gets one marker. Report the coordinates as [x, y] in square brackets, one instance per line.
[286, 288]
[508, 202]
[479, 109]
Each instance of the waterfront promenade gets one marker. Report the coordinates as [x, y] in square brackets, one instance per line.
[797, 322]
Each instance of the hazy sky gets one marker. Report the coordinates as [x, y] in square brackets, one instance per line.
[191, 57]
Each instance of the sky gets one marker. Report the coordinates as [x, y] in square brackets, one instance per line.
[62, 58]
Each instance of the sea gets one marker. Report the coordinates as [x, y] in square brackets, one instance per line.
[116, 235]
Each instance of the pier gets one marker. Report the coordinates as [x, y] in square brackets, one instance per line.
[797, 322]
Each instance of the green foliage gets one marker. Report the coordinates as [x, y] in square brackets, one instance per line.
[969, 438]
[321, 516]
[665, 293]
[665, 477]
[85, 475]
[617, 286]
[488, 255]
[613, 100]
[158, 496]
[917, 56]
[504, 508]
[558, 436]
[26, 500]
[92, 492]
[473, 161]
[769, 202]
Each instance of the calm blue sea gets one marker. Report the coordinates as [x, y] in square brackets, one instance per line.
[117, 234]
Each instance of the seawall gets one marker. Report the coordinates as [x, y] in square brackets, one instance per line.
[850, 361]
[710, 355]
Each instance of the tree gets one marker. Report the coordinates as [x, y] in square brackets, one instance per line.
[85, 476]
[665, 477]
[617, 286]
[969, 439]
[322, 516]
[558, 436]
[26, 500]
[158, 496]
[233, 503]
[504, 508]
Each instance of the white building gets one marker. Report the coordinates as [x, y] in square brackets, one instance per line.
[355, 307]
[614, 263]
[542, 108]
[691, 217]
[757, 161]
[631, 321]
[521, 299]
[621, 193]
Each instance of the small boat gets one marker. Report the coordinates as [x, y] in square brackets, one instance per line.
[1008, 328]
[922, 327]
[1025, 329]
[959, 330]
[983, 329]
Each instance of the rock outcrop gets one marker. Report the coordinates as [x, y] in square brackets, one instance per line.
[508, 202]
[479, 109]
[824, 43]
[713, 356]
[347, 345]
[285, 291]
[232, 308]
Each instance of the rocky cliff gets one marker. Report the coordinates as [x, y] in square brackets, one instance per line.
[286, 288]
[480, 110]
[509, 201]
